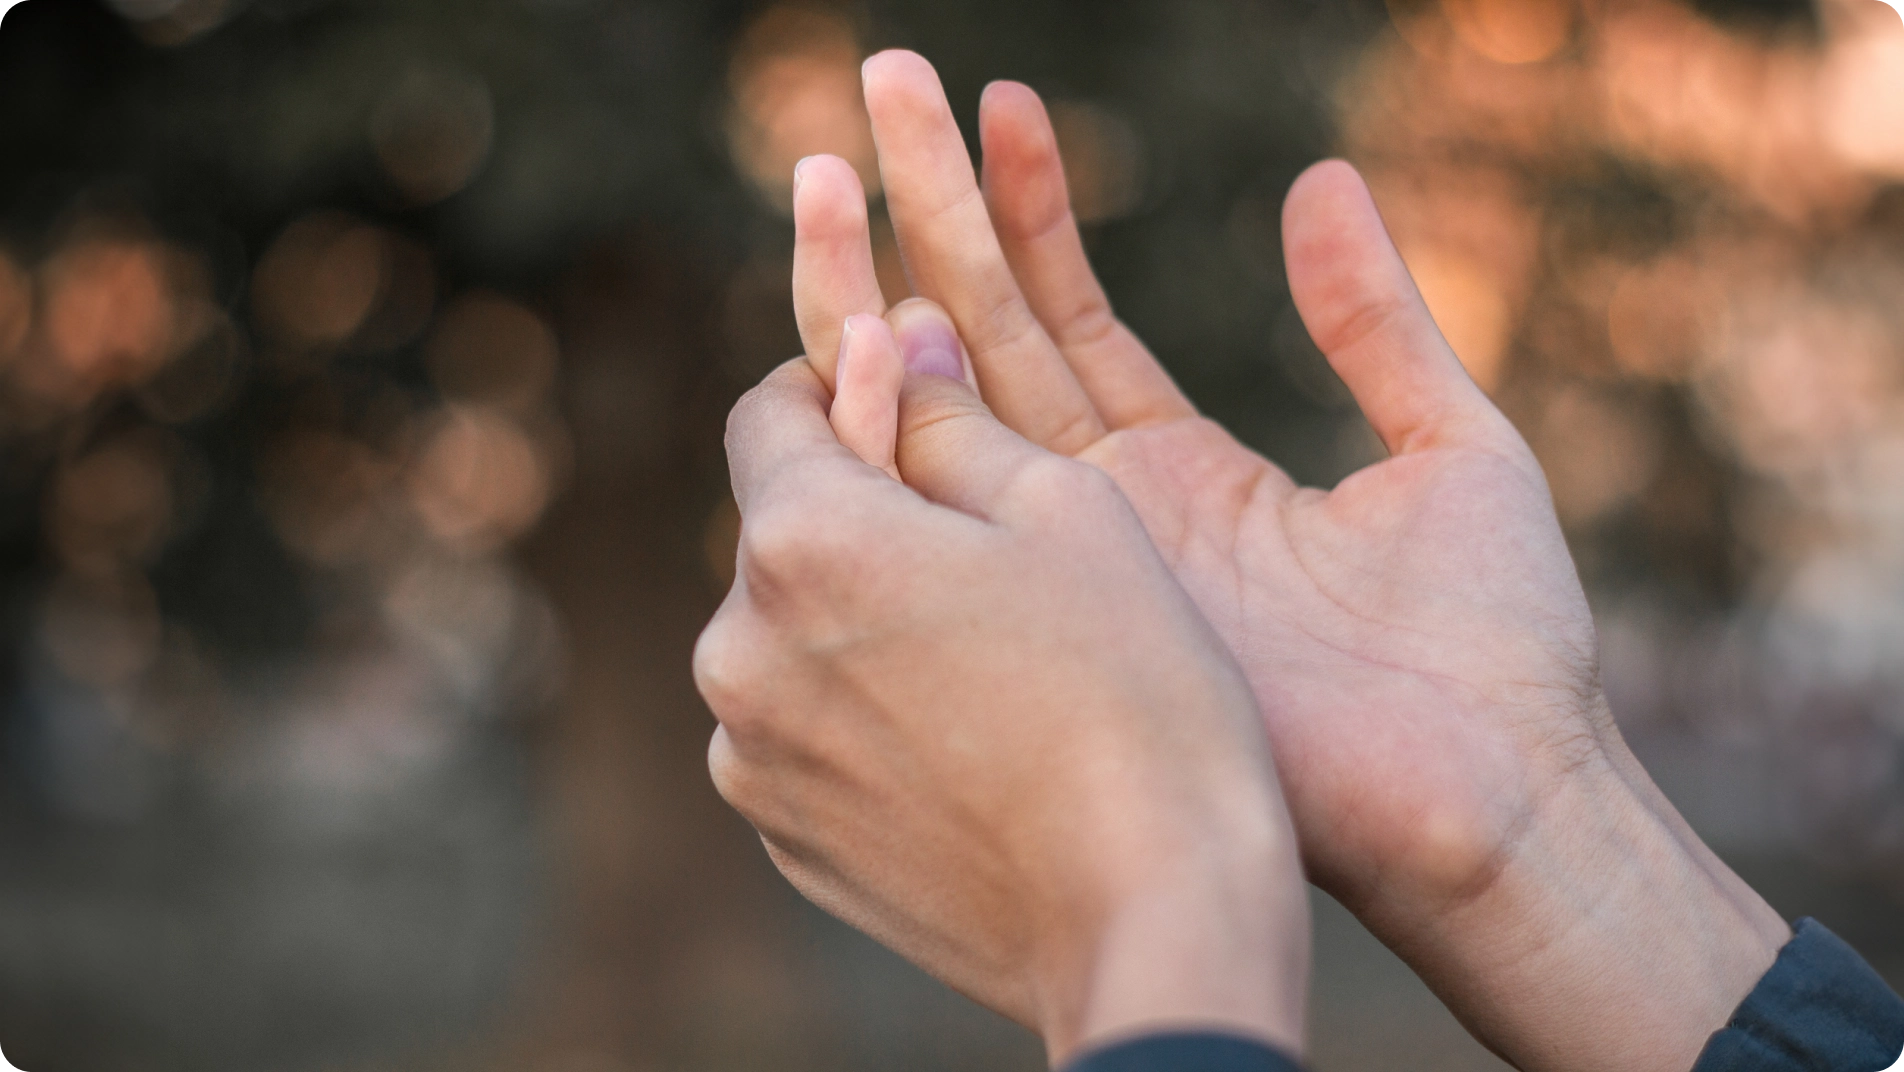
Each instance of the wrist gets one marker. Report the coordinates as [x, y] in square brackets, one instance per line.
[1609, 938]
[1214, 937]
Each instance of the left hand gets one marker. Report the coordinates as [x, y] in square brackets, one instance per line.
[1417, 638]
[980, 720]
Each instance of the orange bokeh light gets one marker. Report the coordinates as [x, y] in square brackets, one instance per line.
[1469, 307]
[489, 349]
[109, 314]
[479, 481]
[796, 90]
[1512, 31]
[321, 280]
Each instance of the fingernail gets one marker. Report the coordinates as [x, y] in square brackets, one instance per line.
[932, 347]
[846, 347]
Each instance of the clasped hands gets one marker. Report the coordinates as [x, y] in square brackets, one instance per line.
[1048, 683]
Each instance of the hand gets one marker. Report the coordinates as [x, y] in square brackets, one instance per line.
[1417, 638]
[980, 720]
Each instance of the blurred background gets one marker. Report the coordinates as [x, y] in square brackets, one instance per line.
[363, 365]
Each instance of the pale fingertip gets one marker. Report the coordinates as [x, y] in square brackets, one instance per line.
[908, 78]
[878, 63]
[894, 57]
[824, 173]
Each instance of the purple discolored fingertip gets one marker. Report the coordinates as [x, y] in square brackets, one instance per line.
[932, 347]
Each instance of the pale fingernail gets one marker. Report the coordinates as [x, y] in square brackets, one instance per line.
[932, 347]
[846, 347]
[799, 171]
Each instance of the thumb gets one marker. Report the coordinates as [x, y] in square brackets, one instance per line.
[865, 410]
[951, 449]
[1361, 307]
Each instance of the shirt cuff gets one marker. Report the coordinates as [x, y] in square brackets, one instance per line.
[1820, 1007]
[1186, 1052]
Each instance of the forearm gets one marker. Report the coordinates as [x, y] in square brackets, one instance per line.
[1611, 938]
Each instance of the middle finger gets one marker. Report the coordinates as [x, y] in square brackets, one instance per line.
[953, 257]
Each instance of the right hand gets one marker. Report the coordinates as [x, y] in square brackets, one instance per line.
[1417, 638]
[977, 718]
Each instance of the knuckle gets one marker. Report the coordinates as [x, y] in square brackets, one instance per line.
[734, 778]
[1075, 431]
[937, 407]
[1089, 323]
[1056, 486]
[747, 413]
[720, 672]
[787, 549]
[1368, 318]
[787, 384]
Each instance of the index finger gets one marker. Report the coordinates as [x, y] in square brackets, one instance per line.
[833, 275]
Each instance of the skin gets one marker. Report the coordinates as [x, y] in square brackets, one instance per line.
[1417, 639]
[974, 714]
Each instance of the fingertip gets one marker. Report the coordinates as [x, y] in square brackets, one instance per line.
[827, 192]
[900, 78]
[928, 340]
[1343, 267]
[1024, 174]
[874, 63]
[1007, 94]
[1334, 172]
[824, 171]
[868, 350]
[864, 322]
[896, 64]
[1323, 194]
[1362, 308]
[833, 271]
[865, 329]
[1017, 111]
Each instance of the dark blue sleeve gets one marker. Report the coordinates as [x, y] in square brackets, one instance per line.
[1820, 1009]
[1186, 1053]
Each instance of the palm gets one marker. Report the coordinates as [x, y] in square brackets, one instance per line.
[1394, 630]
[1409, 634]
